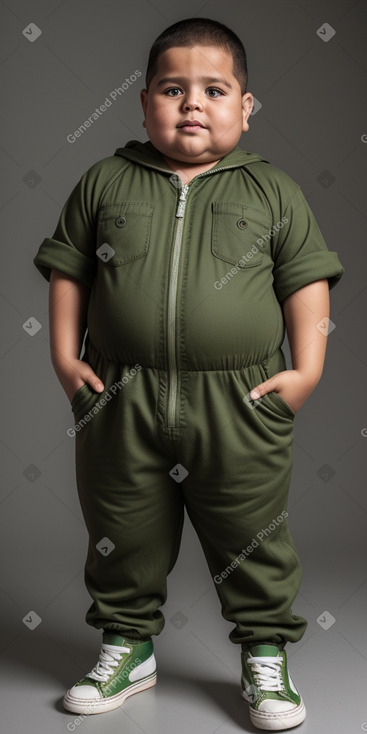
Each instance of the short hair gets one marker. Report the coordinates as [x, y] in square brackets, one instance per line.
[203, 32]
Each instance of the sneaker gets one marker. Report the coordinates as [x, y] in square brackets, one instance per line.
[124, 667]
[266, 685]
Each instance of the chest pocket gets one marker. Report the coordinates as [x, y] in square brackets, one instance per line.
[236, 227]
[123, 232]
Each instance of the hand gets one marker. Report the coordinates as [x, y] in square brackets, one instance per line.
[292, 385]
[73, 373]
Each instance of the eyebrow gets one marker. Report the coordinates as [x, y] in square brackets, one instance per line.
[206, 79]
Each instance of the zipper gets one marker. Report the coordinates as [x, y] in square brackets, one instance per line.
[172, 302]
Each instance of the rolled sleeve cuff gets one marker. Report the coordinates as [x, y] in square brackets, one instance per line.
[300, 272]
[58, 255]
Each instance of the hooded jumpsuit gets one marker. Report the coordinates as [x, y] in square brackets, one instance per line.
[184, 319]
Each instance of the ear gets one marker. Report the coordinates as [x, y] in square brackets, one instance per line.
[247, 107]
[144, 102]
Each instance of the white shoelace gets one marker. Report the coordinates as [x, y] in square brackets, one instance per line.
[267, 673]
[109, 658]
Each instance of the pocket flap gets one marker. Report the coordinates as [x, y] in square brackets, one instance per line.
[236, 228]
[123, 233]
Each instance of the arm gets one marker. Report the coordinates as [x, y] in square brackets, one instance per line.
[302, 310]
[68, 304]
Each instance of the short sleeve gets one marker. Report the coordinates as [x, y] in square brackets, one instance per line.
[72, 247]
[300, 253]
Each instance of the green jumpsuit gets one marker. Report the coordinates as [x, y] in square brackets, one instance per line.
[184, 319]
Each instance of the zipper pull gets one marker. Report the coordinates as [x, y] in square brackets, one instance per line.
[182, 200]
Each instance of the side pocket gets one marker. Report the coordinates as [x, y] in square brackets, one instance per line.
[273, 399]
[76, 396]
[83, 400]
[280, 404]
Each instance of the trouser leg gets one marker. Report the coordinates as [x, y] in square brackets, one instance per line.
[253, 562]
[236, 495]
[133, 515]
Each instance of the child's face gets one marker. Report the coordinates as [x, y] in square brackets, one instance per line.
[195, 83]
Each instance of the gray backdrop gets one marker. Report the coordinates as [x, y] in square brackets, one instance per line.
[307, 69]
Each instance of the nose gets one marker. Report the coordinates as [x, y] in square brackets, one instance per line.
[192, 102]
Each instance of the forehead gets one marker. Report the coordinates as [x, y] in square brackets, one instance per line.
[195, 62]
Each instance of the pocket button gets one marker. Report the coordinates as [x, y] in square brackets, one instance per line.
[242, 224]
[120, 222]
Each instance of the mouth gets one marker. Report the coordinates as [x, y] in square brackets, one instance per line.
[191, 125]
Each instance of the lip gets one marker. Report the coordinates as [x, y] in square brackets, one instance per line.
[195, 124]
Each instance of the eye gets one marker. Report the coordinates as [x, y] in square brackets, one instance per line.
[172, 89]
[213, 89]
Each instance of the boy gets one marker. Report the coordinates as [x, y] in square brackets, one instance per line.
[185, 257]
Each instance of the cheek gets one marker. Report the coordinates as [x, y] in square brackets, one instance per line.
[155, 111]
[161, 125]
[231, 121]
[164, 107]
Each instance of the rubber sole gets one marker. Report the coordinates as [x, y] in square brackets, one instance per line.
[277, 722]
[100, 705]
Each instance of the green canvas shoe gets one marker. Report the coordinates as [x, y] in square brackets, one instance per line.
[124, 667]
[266, 685]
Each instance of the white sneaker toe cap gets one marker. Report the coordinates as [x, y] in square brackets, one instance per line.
[271, 706]
[87, 693]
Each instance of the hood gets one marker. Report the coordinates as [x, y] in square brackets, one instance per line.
[147, 155]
